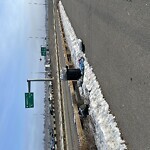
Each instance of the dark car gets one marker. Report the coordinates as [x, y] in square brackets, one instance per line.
[52, 144]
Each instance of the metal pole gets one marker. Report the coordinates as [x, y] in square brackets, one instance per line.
[29, 82]
[29, 86]
[46, 79]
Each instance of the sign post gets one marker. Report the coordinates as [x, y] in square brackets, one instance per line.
[29, 97]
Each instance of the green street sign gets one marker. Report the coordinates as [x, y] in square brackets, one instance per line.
[43, 51]
[29, 100]
[43, 48]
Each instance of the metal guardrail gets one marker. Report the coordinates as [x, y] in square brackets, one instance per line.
[69, 63]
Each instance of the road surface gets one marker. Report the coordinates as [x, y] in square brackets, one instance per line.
[55, 42]
[116, 35]
[71, 131]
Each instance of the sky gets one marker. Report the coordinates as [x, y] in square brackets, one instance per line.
[20, 128]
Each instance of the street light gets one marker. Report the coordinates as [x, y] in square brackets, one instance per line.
[37, 4]
[36, 37]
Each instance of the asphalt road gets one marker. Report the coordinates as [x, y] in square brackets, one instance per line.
[71, 131]
[54, 70]
[116, 34]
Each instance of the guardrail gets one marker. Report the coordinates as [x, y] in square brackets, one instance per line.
[69, 63]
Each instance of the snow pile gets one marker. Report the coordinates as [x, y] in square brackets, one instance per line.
[107, 136]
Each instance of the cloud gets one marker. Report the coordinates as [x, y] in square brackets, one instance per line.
[12, 30]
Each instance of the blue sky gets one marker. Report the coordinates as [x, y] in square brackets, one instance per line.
[20, 128]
